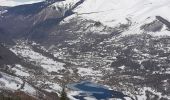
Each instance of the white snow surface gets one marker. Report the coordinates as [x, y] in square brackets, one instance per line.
[67, 4]
[29, 89]
[113, 12]
[53, 87]
[9, 82]
[3, 11]
[64, 6]
[88, 72]
[71, 95]
[20, 71]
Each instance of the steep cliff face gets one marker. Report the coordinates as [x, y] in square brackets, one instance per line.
[23, 20]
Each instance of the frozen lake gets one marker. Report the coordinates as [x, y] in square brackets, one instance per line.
[88, 89]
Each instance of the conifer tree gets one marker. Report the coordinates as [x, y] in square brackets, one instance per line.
[64, 95]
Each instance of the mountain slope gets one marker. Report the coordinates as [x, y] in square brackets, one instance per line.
[115, 12]
[25, 20]
[119, 43]
[7, 57]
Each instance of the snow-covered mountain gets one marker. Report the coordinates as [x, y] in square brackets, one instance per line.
[134, 12]
[123, 44]
[113, 12]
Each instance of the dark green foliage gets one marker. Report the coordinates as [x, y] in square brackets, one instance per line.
[64, 95]
[2, 97]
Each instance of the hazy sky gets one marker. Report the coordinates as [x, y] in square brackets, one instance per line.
[16, 2]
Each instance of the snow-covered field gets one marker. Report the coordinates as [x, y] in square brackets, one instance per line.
[65, 5]
[12, 83]
[20, 71]
[88, 72]
[30, 55]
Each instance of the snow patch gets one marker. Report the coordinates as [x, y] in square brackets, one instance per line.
[88, 72]
[10, 82]
[27, 52]
[20, 71]
[29, 89]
